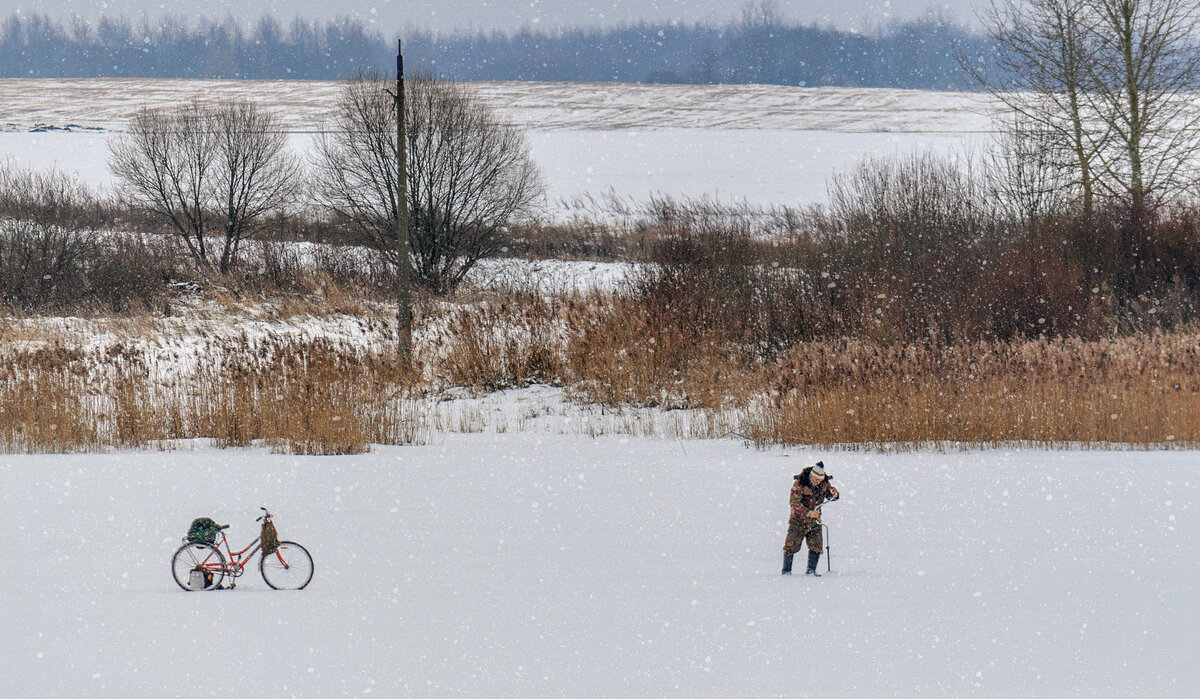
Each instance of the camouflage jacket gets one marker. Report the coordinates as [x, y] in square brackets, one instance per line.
[805, 496]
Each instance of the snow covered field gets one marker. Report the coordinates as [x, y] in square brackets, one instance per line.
[541, 564]
[530, 559]
[764, 145]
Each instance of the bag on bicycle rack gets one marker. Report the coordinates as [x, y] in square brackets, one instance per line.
[203, 531]
[270, 538]
[200, 579]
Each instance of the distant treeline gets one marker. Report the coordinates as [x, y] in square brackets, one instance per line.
[919, 54]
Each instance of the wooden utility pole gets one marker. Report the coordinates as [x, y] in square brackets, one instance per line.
[404, 265]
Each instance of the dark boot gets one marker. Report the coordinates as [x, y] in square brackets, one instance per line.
[787, 563]
[813, 557]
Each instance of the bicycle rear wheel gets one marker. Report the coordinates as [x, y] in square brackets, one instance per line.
[192, 556]
[289, 568]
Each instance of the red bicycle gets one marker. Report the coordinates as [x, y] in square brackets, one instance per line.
[200, 565]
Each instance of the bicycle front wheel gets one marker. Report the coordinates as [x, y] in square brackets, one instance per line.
[190, 557]
[289, 568]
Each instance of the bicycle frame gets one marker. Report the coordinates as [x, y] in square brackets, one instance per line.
[236, 565]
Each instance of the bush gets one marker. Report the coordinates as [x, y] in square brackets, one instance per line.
[710, 276]
[47, 268]
[50, 197]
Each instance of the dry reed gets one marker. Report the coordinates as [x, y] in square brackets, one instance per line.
[327, 397]
[306, 397]
[1140, 391]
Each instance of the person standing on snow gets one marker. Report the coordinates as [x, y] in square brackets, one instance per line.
[810, 489]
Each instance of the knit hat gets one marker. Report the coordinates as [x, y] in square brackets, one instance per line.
[819, 469]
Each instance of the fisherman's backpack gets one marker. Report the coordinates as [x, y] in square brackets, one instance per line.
[203, 531]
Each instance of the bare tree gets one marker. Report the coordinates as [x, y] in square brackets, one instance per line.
[470, 175]
[207, 168]
[1107, 83]
[1145, 65]
[1042, 74]
[356, 164]
[255, 171]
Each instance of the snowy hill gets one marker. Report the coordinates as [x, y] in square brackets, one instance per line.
[759, 144]
[540, 564]
[106, 104]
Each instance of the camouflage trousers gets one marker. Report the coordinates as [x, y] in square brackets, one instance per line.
[800, 529]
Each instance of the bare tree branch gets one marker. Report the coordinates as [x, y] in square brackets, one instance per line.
[1145, 65]
[1042, 75]
[469, 175]
[227, 162]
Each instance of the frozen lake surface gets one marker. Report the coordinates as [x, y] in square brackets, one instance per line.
[765, 145]
[536, 563]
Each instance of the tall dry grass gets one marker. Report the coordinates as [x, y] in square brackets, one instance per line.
[305, 397]
[324, 397]
[1142, 390]
[499, 343]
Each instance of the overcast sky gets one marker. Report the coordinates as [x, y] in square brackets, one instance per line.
[389, 16]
